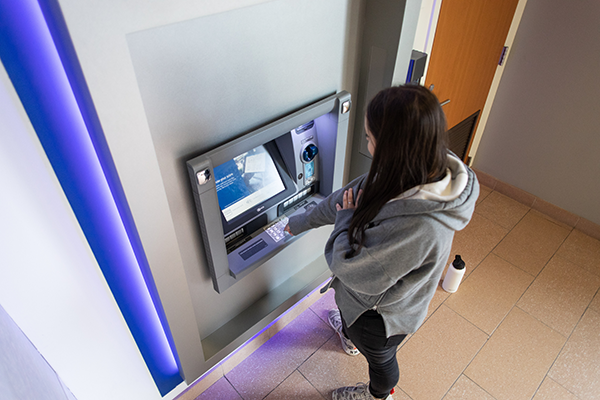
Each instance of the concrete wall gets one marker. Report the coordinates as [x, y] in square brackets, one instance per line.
[542, 134]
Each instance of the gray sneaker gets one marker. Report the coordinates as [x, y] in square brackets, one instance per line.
[358, 392]
[335, 320]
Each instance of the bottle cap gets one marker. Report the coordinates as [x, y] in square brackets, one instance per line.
[458, 263]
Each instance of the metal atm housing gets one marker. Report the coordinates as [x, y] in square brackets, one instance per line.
[306, 148]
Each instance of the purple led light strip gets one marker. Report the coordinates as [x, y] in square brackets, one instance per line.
[33, 62]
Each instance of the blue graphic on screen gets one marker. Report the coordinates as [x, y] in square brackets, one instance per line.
[246, 181]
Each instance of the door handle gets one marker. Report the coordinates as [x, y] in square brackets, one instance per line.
[444, 102]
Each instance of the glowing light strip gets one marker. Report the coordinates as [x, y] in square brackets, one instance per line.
[430, 25]
[28, 51]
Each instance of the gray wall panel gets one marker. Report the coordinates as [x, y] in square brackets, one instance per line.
[208, 80]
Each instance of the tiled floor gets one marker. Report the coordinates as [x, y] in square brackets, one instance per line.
[524, 324]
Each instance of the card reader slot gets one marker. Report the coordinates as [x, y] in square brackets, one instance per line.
[253, 249]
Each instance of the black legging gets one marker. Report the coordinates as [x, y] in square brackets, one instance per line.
[368, 335]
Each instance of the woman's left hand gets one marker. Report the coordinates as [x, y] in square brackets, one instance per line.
[348, 200]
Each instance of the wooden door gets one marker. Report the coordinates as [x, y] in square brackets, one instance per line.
[468, 43]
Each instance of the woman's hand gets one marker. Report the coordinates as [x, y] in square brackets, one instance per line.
[287, 229]
[348, 200]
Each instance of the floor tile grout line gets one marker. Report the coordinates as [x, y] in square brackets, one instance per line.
[314, 352]
[308, 380]
[567, 338]
[467, 377]
[553, 380]
[511, 229]
[533, 281]
[232, 385]
[520, 219]
[565, 345]
[302, 363]
[490, 337]
[279, 384]
[476, 353]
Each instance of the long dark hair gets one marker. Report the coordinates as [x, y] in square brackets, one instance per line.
[409, 128]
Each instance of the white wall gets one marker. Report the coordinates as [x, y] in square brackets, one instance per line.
[24, 373]
[542, 132]
[50, 282]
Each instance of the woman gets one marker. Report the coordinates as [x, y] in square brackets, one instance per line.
[393, 231]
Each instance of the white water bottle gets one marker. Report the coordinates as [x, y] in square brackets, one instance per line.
[454, 275]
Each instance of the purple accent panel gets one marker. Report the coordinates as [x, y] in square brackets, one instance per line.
[55, 97]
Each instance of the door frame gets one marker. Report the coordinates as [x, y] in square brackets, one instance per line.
[428, 18]
[485, 113]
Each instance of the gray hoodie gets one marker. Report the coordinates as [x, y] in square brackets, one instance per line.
[406, 248]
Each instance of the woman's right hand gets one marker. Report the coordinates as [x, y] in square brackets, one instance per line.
[348, 200]
[287, 229]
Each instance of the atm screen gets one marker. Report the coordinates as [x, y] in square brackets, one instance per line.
[246, 181]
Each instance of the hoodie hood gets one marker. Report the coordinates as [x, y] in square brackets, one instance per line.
[446, 189]
[450, 200]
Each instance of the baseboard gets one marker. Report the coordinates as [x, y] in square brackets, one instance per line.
[559, 214]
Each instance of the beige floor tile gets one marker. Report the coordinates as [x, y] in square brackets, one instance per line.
[221, 390]
[551, 390]
[274, 361]
[484, 192]
[476, 241]
[560, 295]
[578, 366]
[502, 210]
[400, 395]
[489, 293]
[595, 304]
[466, 389]
[233, 360]
[330, 368]
[582, 250]
[436, 355]
[531, 243]
[438, 298]
[295, 387]
[515, 360]
[325, 303]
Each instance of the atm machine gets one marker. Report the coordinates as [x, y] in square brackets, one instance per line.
[245, 190]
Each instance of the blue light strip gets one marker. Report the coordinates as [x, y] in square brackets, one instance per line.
[48, 79]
